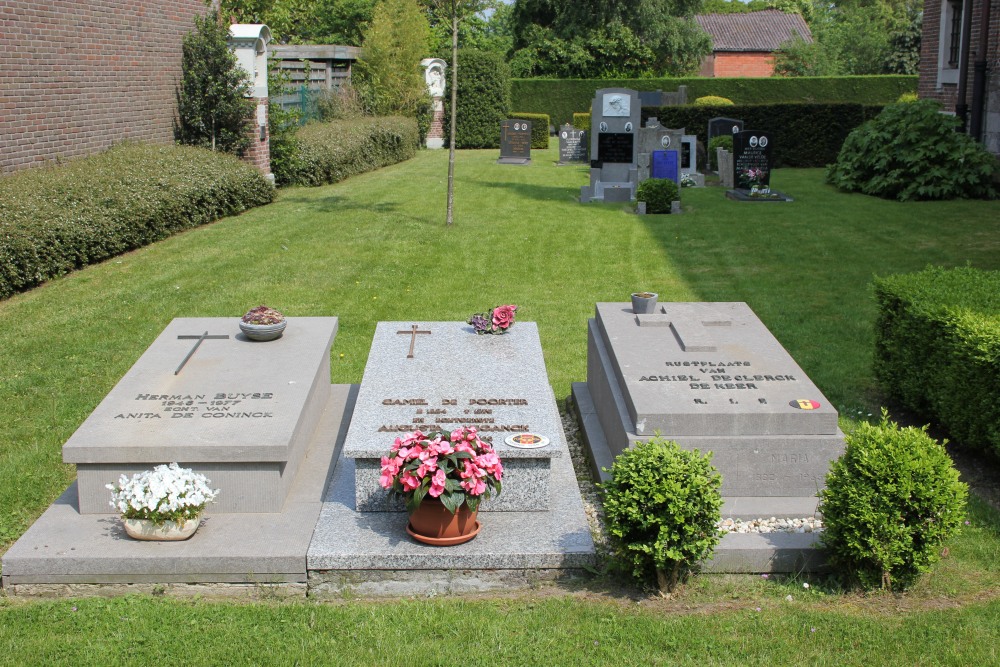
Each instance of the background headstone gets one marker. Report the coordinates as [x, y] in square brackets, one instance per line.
[751, 150]
[572, 145]
[515, 142]
[723, 126]
[725, 161]
[614, 122]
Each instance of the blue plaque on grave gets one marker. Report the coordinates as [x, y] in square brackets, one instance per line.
[665, 165]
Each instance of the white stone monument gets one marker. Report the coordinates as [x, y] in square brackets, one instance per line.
[249, 43]
[434, 72]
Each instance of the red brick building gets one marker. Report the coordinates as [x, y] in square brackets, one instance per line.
[954, 43]
[744, 44]
[77, 77]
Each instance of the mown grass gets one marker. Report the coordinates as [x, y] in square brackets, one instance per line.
[375, 248]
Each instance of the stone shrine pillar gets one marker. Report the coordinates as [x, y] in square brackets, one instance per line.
[434, 69]
[249, 42]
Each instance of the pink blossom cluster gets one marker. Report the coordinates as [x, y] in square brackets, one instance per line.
[417, 459]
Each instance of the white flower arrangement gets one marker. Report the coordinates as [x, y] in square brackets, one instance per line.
[166, 493]
[687, 180]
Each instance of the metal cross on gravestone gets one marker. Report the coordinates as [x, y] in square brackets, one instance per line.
[200, 339]
[413, 331]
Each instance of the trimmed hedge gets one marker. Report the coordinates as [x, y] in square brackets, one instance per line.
[483, 99]
[539, 127]
[330, 152]
[560, 98]
[802, 135]
[57, 219]
[937, 349]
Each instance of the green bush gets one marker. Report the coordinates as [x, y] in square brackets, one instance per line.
[483, 99]
[662, 505]
[581, 121]
[911, 151]
[330, 152]
[560, 98]
[937, 349]
[719, 141]
[57, 219]
[658, 193]
[889, 504]
[539, 127]
[907, 97]
[713, 101]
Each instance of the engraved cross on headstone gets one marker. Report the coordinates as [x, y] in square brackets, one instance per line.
[413, 331]
[200, 338]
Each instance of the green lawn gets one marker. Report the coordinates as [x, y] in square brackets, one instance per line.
[375, 248]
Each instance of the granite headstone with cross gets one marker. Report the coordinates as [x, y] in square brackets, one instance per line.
[572, 145]
[515, 142]
[441, 376]
[712, 377]
[203, 395]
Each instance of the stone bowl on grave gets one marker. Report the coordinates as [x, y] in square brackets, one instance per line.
[263, 332]
[644, 303]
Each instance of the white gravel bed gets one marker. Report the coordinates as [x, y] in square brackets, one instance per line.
[805, 525]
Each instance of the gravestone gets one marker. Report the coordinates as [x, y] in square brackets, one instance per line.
[515, 142]
[712, 377]
[614, 121]
[572, 145]
[655, 137]
[441, 376]
[237, 411]
[724, 160]
[723, 126]
[689, 154]
[752, 151]
[665, 164]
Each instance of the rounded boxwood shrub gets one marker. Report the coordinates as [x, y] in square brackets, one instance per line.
[719, 141]
[911, 151]
[658, 193]
[662, 505]
[890, 502]
[713, 101]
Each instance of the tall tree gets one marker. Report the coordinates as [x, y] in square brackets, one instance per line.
[389, 73]
[212, 103]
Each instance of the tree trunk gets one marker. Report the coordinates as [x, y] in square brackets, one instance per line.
[454, 112]
[666, 580]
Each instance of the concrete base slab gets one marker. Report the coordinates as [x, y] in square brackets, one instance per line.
[737, 552]
[370, 552]
[66, 552]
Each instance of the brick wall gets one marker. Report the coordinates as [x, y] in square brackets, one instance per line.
[743, 64]
[76, 77]
[259, 152]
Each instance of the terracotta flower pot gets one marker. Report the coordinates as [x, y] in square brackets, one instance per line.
[432, 523]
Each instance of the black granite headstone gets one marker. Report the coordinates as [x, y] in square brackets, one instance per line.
[751, 160]
[515, 142]
[615, 147]
[723, 126]
[572, 144]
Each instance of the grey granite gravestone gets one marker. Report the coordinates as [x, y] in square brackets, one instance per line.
[614, 121]
[515, 142]
[238, 411]
[572, 145]
[724, 161]
[455, 378]
[654, 137]
[712, 377]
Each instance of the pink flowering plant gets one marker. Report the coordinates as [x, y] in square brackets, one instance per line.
[454, 467]
[753, 177]
[263, 315]
[496, 321]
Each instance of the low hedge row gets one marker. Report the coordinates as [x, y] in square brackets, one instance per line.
[937, 349]
[330, 152]
[539, 127]
[560, 98]
[57, 219]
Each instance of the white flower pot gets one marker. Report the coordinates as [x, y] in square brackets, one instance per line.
[168, 531]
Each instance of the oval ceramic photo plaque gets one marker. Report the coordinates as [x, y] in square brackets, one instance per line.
[526, 440]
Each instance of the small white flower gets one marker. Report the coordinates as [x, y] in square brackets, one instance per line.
[805, 586]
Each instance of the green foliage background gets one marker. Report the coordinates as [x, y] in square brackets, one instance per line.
[483, 99]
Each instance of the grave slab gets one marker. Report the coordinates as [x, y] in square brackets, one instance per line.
[66, 550]
[456, 378]
[240, 412]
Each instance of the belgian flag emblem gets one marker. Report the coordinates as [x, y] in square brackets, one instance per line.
[804, 404]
